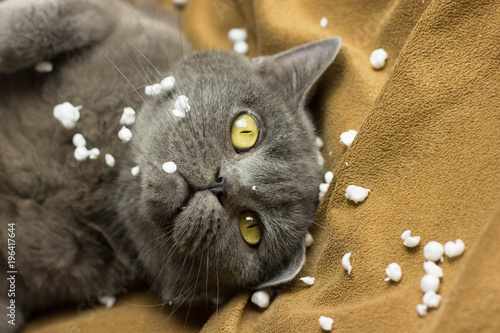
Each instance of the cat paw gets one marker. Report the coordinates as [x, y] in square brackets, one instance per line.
[36, 30]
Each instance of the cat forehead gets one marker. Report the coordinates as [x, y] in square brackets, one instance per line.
[215, 63]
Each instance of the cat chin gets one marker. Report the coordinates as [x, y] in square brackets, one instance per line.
[196, 226]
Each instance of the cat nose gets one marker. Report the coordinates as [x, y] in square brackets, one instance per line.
[218, 187]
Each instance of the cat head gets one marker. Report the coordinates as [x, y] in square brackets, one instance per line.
[235, 212]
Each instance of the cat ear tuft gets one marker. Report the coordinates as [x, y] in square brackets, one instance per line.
[289, 272]
[298, 69]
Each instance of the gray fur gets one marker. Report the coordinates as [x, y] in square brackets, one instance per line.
[83, 228]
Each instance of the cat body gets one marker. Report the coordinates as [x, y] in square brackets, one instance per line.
[85, 229]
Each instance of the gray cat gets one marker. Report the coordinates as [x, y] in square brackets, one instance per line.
[233, 214]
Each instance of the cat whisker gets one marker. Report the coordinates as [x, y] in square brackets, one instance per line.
[137, 69]
[165, 257]
[118, 69]
[149, 40]
[194, 290]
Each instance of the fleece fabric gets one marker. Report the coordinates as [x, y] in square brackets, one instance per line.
[428, 148]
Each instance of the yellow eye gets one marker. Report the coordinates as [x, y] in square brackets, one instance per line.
[250, 228]
[244, 132]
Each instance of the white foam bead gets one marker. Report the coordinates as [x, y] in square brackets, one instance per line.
[323, 187]
[393, 272]
[454, 249]
[323, 22]
[318, 142]
[356, 193]
[433, 251]
[308, 280]
[180, 2]
[125, 134]
[405, 234]
[241, 47]
[81, 153]
[309, 240]
[431, 299]
[179, 113]
[254, 188]
[167, 84]
[237, 35]
[326, 323]
[128, 117]
[135, 170]
[431, 268]
[182, 103]
[94, 153]
[429, 282]
[421, 310]
[328, 177]
[107, 300]
[348, 137]
[346, 262]
[378, 58]
[110, 160]
[79, 140]
[67, 114]
[169, 167]
[261, 298]
[411, 241]
[153, 90]
[321, 160]
[44, 67]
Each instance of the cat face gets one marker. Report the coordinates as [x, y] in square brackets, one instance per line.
[236, 211]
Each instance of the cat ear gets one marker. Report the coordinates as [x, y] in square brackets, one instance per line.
[298, 69]
[289, 272]
[31, 31]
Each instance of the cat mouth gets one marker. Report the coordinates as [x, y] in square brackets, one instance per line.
[186, 191]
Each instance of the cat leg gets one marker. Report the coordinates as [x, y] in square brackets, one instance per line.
[35, 30]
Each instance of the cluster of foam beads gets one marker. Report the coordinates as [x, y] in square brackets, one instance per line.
[68, 115]
[318, 143]
[81, 152]
[323, 187]
[348, 137]
[166, 85]
[239, 39]
[181, 106]
[429, 284]
[127, 119]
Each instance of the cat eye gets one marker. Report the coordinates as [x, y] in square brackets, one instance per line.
[250, 228]
[244, 132]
